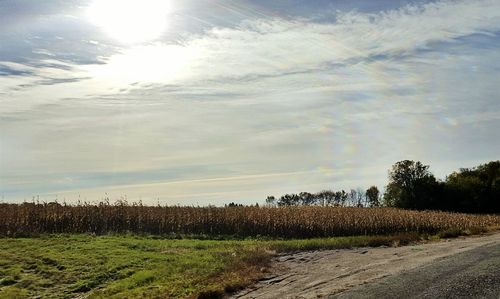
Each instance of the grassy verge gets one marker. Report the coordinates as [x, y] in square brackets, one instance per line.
[69, 266]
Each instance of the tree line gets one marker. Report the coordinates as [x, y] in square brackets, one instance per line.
[355, 197]
[475, 190]
[412, 186]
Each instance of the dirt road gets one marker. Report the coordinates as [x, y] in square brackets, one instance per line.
[325, 273]
[471, 274]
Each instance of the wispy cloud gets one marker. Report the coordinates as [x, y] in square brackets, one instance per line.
[276, 46]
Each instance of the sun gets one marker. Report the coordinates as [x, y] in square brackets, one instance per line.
[130, 21]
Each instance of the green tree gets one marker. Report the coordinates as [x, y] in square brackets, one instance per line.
[307, 198]
[411, 185]
[372, 194]
[271, 200]
[474, 189]
[325, 197]
[341, 197]
[289, 200]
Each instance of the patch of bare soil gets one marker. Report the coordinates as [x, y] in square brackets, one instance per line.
[322, 273]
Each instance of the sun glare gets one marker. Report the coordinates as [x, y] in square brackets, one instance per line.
[152, 63]
[130, 21]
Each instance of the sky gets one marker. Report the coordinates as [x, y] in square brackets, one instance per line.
[197, 102]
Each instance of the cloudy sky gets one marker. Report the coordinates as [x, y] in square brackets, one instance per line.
[214, 101]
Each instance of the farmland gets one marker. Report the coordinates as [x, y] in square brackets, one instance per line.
[119, 250]
[30, 219]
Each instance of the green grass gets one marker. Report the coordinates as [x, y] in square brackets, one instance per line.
[115, 266]
[69, 266]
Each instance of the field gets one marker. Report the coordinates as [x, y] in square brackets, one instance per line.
[135, 251]
[30, 219]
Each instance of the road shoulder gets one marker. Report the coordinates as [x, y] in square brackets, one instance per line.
[323, 273]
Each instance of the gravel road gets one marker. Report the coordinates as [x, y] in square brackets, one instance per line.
[462, 267]
[471, 274]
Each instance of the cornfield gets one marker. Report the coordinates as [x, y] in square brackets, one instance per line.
[30, 219]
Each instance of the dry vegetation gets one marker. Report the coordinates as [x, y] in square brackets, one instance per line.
[30, 219]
